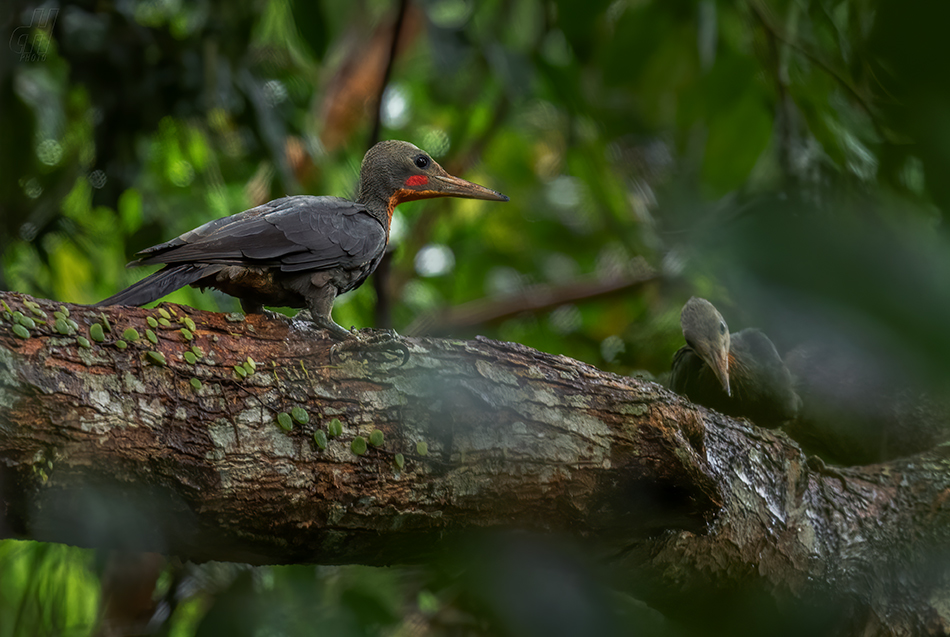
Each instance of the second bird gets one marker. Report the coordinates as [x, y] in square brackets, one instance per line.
[301, 251]
[737, 374]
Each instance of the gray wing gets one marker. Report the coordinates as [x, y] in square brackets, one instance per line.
[293, 233]
[685, 370]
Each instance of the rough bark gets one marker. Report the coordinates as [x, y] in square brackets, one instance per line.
[102, 446]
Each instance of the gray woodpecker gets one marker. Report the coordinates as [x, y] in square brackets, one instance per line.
[300, 251]
[738, 374]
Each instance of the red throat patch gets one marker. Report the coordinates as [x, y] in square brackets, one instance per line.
[417, 180]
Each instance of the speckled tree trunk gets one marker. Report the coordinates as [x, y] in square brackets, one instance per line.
[102, 446]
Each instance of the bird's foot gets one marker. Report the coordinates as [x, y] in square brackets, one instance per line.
[272, 315]
[368, 340]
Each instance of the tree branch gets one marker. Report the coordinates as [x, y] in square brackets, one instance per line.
[103, 446]
[542, 297]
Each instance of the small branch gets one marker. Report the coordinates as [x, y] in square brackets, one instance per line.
[534, 299]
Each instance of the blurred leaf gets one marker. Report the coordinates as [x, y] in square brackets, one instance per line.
[46, 589]
[736, 139]
[312, 26]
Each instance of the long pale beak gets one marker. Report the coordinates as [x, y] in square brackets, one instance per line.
[449, 186]
[720, 368]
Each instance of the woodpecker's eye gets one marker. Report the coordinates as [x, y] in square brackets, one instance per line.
[422, 161]
[722, 328]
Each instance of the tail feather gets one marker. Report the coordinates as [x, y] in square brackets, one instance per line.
[157, 285]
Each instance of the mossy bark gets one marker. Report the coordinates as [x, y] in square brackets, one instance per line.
[103, 446]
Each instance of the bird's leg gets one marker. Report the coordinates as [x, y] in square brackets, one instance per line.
[320, 302]
[336, 330]
[250, 307]
[320, 305]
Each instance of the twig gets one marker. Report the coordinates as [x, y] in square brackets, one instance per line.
[535, 299]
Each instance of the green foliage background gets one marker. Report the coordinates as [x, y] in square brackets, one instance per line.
[784, 159]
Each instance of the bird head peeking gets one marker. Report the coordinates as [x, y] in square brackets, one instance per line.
[707, 334]
[396, 172]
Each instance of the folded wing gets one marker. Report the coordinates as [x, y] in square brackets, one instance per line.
[292, 234]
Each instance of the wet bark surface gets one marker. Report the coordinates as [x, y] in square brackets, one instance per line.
[122, 448]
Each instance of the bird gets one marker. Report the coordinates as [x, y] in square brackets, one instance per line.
[738, 374]
[301, 251]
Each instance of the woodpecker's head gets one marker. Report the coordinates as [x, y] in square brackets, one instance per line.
[707, 334]
[395, 172]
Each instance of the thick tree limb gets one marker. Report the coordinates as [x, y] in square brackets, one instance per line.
[101, 446]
